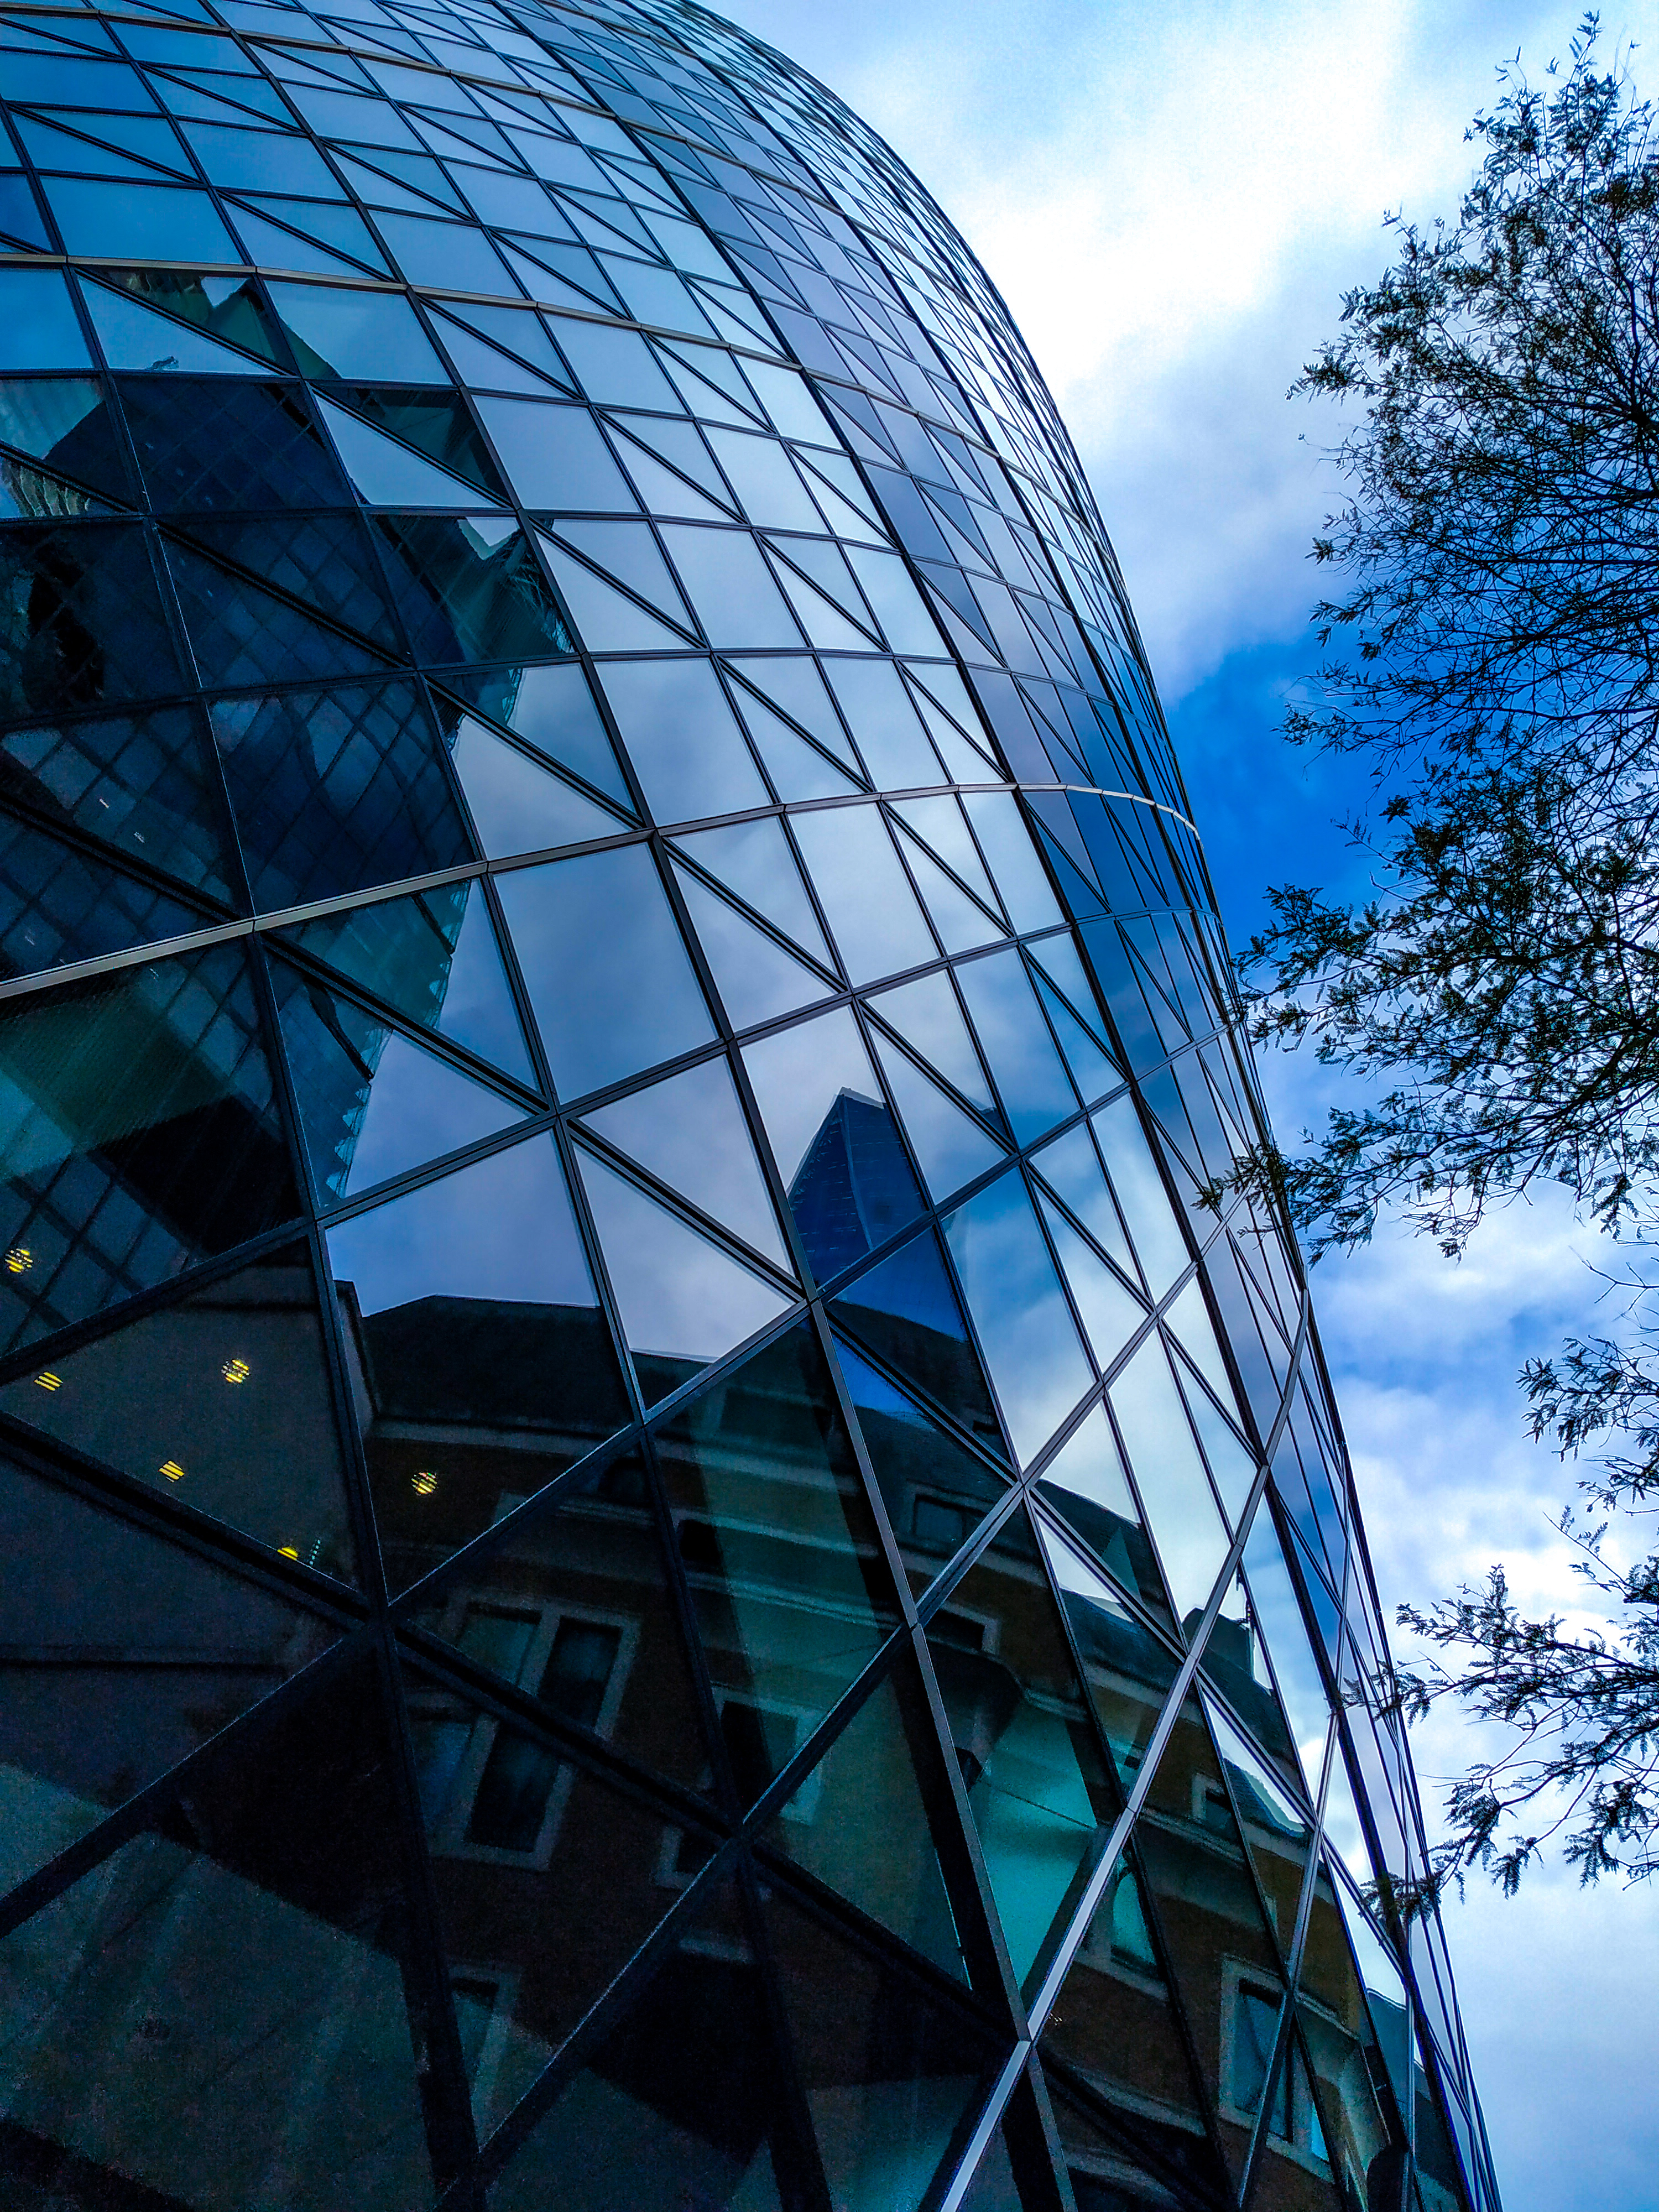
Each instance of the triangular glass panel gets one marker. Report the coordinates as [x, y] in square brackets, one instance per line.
[680, 445]
[681, 737]
[553, 710]
[228, 307]
[892, 2075]
[307, 234]
[434, 958]
[824, 624]
[125, 1655]
[133, 336]
[927, 1016]
[141, 1134]
[373, 1102]
[690, 1132]
[519, 336]
[139, 783]
[1085, 1484]
[436, 422]
[939, 824]
[1094, 1074]
[1040, 1795]
[950, 1146]
[753, 859]
[521, 1842]
[683, 1302]
[385, 473]
[858, 1820]
[1284, 1635]
[799, 770]
[1032, 1345]
[65, 422]
[1035, 1090]
[935, 1492]
[963, 926]
[482, 367]
[1277, 1834]
[612, 986]
[1141, 1192]
[20, 218]
[626, 553]
[221, 1401]
[27, 493]
[57, 907]
[680, 2103]
[1111, 1314]
[836, 1144]
[1160, 2156]
[607, 618]
[1114, 2021]
[906, 1311]
[1236, 1662]
[241, 634]
[321, 560]
[788, 1581]
[1187, 1811]
[470, 589]
[481, 1365]
[1180, 1509]
[1231, 1464]
[571, 1605]
[227, 444]
[257, 1926]
[517, 806]
[1127, 1671]
[792, 684]
[662, 491]
[757, 979]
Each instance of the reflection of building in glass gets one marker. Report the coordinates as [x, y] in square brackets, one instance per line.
[657, 1560]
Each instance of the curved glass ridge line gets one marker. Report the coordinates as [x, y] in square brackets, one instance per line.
[611, 1034]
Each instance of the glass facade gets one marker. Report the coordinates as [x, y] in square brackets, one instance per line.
[654, 1560]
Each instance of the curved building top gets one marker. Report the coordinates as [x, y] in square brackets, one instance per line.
[670, 1563]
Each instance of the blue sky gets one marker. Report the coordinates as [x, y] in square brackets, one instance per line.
[1172, 202]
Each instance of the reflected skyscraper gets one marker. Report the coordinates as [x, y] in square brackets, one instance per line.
[655, 1557]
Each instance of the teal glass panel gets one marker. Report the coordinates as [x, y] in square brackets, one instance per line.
[57, 907]
[891, 2072]
[788, 1584]
[1038, 1788]
[553, 710]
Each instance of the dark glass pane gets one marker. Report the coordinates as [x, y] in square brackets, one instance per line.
[1122, 2159]
[481, 1365]
[1221, 1959]
[471, 590]
[337, 790]
[936, 1493]
[226, 307]
[435, 959]
[572, 1605]
[791, 1595]
[372, 1104]
[82, 623]
[322, 559]
[1349, 2062]
[90, 1715]
[385, 472]
[223, 443]
[221, 1401]
[892, 2078]
[1115, 2022]
[434, 422]
[142, 783]
[548, 1883]
[250, 1941]
[859, 1821]
[906, 1309]
[66, 422]
[1038, 1787]
[57, 907]
[612, 988]
[240, 634]
[680, 2104]
[143, 1136]
[1085, 1485]
[1127, 1672]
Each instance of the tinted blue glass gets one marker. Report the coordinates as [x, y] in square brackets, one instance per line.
[152, 222]
[612, 988]
[39, 326]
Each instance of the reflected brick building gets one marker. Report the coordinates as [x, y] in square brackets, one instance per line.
[655, 1560]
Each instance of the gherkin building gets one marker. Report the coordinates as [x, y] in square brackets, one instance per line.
[656, 1559]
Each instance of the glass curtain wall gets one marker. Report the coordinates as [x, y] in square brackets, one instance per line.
[656, 1557]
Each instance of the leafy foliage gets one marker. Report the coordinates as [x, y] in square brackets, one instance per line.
[1493, 652]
